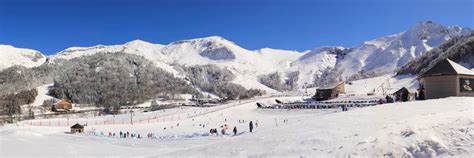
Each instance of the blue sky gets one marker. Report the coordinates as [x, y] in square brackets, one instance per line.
[53, 25]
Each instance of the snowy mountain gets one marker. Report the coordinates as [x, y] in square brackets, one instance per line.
[245, 64]
[459, 49]
[371, 58]
[11, 56]
[385, 54]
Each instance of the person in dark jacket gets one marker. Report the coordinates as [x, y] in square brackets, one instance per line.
[235, 130]
[250, 126]
[387, 99]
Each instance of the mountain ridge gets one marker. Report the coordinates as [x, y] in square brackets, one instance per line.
[378, 56]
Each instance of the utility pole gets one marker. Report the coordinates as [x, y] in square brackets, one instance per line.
[131, 117]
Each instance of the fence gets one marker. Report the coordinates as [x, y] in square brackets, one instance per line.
[64, 122]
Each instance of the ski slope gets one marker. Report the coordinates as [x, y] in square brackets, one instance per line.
[441, 127]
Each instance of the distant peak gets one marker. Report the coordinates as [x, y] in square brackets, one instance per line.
[213, 39]
[432, 27]
[327, 48]
[427, 26]
[426, 29]
[138, 42]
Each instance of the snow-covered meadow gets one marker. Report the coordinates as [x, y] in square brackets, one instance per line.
[441, 127]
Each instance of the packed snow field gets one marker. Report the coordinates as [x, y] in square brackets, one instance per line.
[441, 127]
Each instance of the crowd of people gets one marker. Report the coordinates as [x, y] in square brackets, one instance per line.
[224, 130]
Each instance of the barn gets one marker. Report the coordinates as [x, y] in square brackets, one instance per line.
[62, 104]
[329, 92]
[446, 79]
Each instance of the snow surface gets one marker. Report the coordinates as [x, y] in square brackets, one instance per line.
[377, 85]
[11, 56]
[313, 63]
[432, 128]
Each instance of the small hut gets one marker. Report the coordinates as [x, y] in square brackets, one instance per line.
[329, 92]
[77, 128]
[402, 94]
[63, 104]
[446, 79]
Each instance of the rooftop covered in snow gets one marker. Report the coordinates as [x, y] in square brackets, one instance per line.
[447, 67]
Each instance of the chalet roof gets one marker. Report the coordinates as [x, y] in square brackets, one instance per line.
[447, 67]
[330, 86]
[401, 90]
[62, 101]
[77, 125]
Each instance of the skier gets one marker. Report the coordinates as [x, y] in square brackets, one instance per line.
[235, 130]
[250, 126]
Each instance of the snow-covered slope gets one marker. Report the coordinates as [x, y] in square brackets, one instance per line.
[431, 128]
[246, 65]
[226, 54]
[388, 84]
[314, 62]
[148, 50]
[10, 56]
[385, 54]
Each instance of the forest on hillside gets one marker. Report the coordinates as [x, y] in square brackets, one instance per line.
[459, 49]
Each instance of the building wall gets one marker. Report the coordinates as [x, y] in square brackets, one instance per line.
[441, 86]
[340, 88]
[458, 88]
